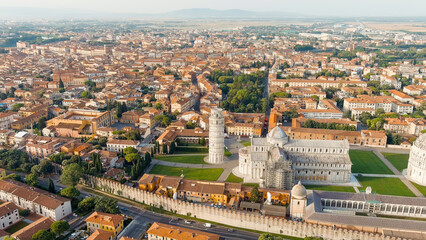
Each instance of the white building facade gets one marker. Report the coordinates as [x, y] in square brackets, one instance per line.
[416, 170]
[216, 137]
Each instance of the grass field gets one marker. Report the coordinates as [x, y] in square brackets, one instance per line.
[330, 188]
[399, 161]
[367, 162]
[227, 153]
[385, 186]
[18, 226]
[251, 184]
[208, 174]
[234, 179]
[421, 188]
[246, 143]
[193, 159]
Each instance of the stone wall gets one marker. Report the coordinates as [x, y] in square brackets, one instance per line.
[229, 217]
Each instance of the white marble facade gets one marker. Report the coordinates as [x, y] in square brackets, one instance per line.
[277, 161]
[416, 170]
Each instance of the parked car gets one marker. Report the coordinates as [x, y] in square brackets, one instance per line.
[207, 225]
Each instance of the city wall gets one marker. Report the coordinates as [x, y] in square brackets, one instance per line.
[229, 217]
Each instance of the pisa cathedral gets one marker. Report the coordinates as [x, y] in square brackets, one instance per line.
[279, 162]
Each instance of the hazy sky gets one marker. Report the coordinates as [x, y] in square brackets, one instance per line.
[308, 7]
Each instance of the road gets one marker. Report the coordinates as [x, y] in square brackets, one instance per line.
[142, 217]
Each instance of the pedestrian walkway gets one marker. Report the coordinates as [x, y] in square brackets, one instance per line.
[398, 174]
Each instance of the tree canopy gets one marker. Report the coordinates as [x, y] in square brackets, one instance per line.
[71, 174]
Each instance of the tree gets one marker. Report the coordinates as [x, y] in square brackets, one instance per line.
[364, 117]
[86, 205]
[41, 123]
[266, 236]
[31, 179]
[203, 141]
[315, 98]
[51, 187]
[59, 227]
[129, 150]
[61, 84]
[70, 192]
[132, 157]
[8, 238]
[172, 147]
[159, 106]
[86, 94]
[147, 158]
[43, 235]
[71, 174]
[164, 146]
[254, 194]
[379, 111]
[106, 205]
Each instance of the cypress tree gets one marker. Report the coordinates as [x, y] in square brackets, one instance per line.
[61, 84]
[51, 187]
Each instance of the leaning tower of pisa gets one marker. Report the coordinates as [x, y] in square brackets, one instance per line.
[216, 137]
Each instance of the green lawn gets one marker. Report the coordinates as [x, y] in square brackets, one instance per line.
[209, 174]
[18, 226]
[246, 143]
[193, 159]
[385, 186]
[399, 161]
[421, 188]
[251, 184]
[367, 162]
[233, 178]
[330, 188]
[227, 153]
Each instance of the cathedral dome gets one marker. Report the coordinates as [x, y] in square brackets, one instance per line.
[277, 132]
[299, 191]
[277, 137]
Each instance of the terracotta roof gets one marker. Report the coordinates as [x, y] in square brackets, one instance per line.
[100, 235]
[179, 233]
[105, 218]
[39, 196]
[27, 232]
[7, 207]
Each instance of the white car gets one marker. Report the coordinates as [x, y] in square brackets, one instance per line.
[207, 225]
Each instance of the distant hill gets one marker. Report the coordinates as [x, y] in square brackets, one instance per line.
[192, 13]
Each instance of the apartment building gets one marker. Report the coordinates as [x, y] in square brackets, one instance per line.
[365, 137]
[9, 215]
[181, 105]
[112, 223]
[224, 193]
[387, 103]
[6, 119]
[28, 231]
[76, 123]
[36, 200]
[39, 146]
[244, 129]
[316, 82]
[413, 126]
[116, 145]
[28, 122]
